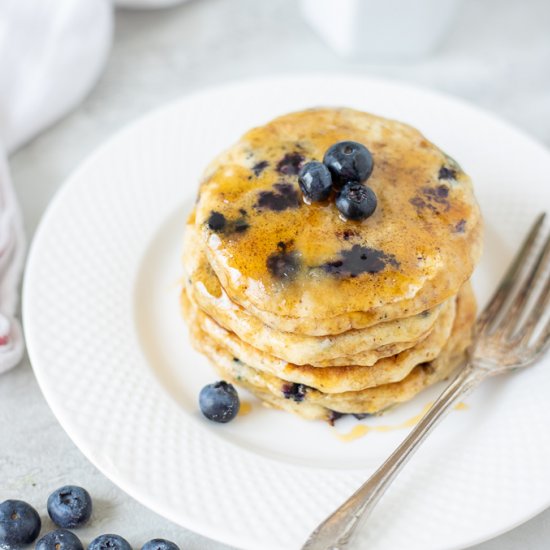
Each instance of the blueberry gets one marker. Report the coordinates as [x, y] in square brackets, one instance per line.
[160, 544]
[290, 164]
[19, 523]
[283, 197]
[59, 540]
[296, 392]
[356, 201]
[348, 161]
[219, 402]
[259, 167]
[446, 173]
[315, 181]
[360, 259]
[216, 221]
[109, 542]
[334, 416]
[70, 506]
[283, 265]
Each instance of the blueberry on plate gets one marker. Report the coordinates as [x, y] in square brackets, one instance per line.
[19, 523]
[348, 161]
[59, 540]
[356, 201]
[109, 542]
[315, 181]
[219, 402]
[70, 506]
[160, 544]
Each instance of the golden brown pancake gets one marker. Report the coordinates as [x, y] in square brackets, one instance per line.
[320, 315]
[330, 379]
[365, 345]
[313, 404]
[300, 267]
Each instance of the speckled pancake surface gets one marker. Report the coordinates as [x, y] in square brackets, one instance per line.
[313, 404]
[334, 379]
[298, 266]
[366, 345]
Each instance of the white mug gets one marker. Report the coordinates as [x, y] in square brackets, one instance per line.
[381, 28]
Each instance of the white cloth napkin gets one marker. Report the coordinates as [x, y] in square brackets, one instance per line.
[51, 54]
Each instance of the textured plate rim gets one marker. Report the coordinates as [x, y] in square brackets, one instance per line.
[202, 527]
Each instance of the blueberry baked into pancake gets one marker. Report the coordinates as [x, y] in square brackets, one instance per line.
[328, 260]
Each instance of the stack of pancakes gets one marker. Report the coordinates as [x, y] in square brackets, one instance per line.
[319, 315]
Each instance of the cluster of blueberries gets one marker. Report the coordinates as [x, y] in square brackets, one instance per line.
[68, 507]
[345, 167]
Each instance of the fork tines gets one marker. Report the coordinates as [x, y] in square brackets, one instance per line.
[518, 310]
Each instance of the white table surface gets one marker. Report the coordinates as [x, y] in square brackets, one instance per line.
[497, 56]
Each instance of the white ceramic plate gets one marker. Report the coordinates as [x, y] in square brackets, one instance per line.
[111, 353]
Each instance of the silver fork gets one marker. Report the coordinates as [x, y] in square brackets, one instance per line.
[510, 333]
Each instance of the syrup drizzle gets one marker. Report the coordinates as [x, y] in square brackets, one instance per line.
[361, 430]
[246, 408]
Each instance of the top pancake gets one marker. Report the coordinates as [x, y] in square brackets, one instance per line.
[295, 265]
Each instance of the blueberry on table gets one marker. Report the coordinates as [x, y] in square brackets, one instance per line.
[219, 402]
[356, 201]
[348, 161]
[59, 540]
[109, 542]
[160, 544]
[19, 523]
[70, 506]
[315, 181]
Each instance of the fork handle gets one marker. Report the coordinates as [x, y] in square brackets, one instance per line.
[336, 531]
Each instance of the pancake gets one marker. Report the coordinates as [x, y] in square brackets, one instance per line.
[332, 379]
[367, 345]
[413, 253]
[313, 404]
